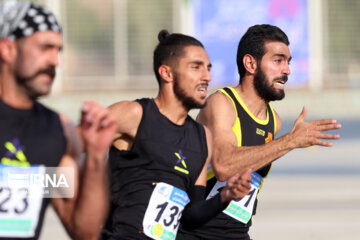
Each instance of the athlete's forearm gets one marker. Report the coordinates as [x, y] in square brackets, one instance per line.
[199, 210]
[92, 203]
[229, 159]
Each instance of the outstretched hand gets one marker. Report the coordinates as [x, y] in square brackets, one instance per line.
[97, 127]
[237, 187]
[305, 134]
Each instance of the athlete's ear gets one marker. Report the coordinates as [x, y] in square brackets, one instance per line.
[250, 63]
[166, 73]
[7, 50]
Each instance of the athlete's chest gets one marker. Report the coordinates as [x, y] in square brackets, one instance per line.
[29, 141]
[253, 133]
[172, 157]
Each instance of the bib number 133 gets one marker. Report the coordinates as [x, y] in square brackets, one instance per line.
[162, 216]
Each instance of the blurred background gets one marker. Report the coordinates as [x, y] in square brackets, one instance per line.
[311, 193]
[109, 45]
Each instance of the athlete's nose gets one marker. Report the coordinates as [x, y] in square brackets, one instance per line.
[207, 75]
[286, 69]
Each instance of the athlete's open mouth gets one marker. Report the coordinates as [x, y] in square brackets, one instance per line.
[282, 80]
[203, 89]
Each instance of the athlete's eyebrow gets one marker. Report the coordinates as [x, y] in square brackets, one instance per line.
[199, 62]
[60, 47]
[283, 56]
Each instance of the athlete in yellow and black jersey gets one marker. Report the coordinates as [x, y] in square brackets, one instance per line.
[249, 131]
[243, 125]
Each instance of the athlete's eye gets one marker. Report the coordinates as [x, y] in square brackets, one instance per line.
[195, 66]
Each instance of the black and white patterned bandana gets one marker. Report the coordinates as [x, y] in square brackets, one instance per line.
[22, 19]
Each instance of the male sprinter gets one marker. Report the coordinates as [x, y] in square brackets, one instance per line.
[34, 137]
[159, 156]
[244, 124]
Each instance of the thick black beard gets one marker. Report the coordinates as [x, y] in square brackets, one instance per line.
[188, 102]
[265, 90]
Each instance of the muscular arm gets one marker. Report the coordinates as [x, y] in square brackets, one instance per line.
[219, 116]
[199, 210]
[84, 214]
[238, 183]
[128, 115]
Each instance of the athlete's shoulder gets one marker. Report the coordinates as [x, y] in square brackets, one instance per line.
[128, 115]
[126, 109]
[216, 100]
[218, 107]
[39, 107]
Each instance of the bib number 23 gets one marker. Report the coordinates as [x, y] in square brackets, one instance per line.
[20, 202]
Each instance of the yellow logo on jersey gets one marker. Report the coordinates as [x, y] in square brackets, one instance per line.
[15, 155]
[260, 132]
[181, 159]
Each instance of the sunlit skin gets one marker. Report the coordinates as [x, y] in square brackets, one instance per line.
[30, 68]
[184, 82]
[219, 116]
[194, 71]
[27, 72]
[37, 53]
[275, 68]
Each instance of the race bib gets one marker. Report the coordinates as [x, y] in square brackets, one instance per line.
[242, 209]
[20, 203]
[163, 214]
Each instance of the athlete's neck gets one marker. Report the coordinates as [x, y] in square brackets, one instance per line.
[12, 95]
[171, 109]
[256, 105]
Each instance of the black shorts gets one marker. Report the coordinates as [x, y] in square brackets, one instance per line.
[186, 236]
[124, 233]
[181, 235]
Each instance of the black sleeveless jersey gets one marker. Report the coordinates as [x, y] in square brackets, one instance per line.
[27, 138]
[249, 131]
[153, 157]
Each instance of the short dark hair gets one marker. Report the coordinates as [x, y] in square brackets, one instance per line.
[170, 47]
[253, 43]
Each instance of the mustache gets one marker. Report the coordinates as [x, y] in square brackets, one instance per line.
[202, 85]
[51, 71]
[282, 78]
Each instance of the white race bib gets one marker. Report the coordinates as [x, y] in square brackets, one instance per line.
[20, 205]
[242, 209]
[163, 214]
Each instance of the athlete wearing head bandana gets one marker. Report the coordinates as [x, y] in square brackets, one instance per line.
[22, 19]
[34, 138]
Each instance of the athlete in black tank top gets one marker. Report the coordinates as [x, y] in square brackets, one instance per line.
[27, 132]
[34, 138]
[160, 154]
[152, 158]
